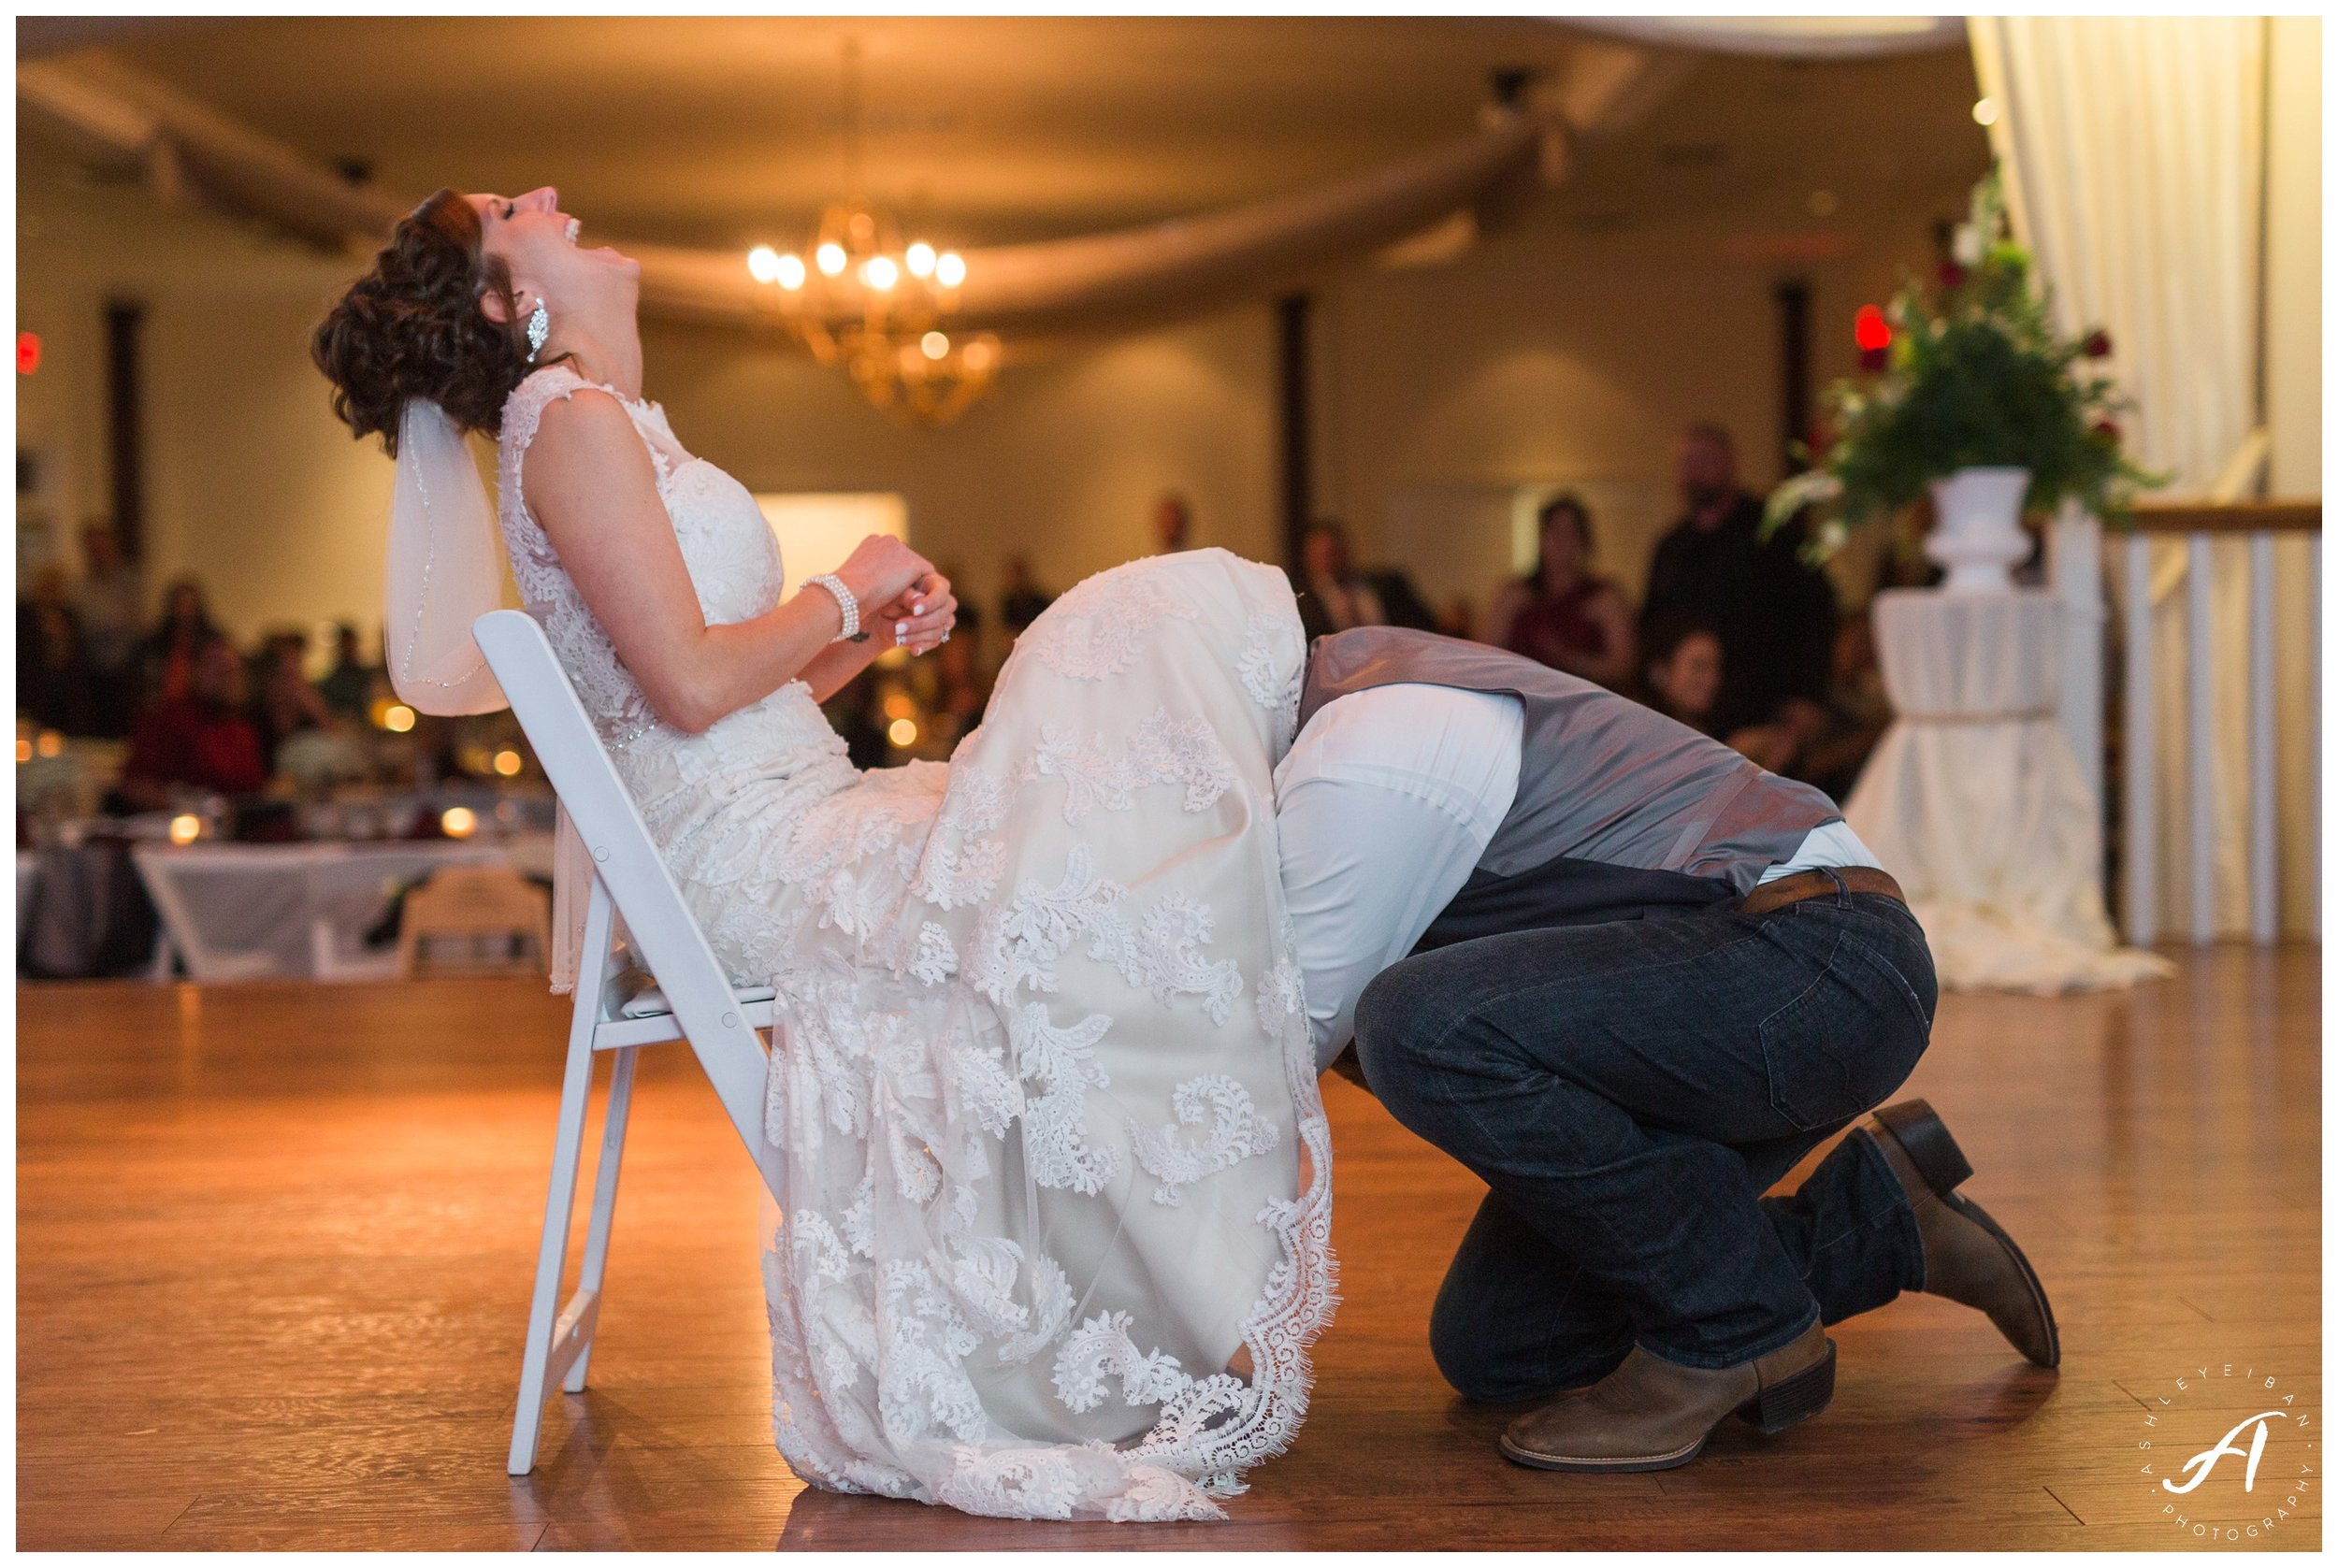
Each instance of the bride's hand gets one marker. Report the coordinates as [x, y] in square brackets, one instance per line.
[880, 571]
[924, 615]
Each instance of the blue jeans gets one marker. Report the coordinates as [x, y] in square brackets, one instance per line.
[1628, 1091]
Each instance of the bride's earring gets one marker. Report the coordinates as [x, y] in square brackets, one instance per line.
[539, 328]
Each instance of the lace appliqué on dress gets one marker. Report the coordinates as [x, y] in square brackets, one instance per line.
[1091, 633]
[1163, 750]
[1238, 1131]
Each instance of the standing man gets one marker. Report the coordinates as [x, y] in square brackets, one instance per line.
[1173, 524]
[1335, 595]
[1774, 612]
[112, 617]
[1654, 977]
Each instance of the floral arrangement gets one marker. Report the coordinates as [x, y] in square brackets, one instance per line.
[1970, 373]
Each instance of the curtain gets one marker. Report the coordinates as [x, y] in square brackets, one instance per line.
[2133, 152]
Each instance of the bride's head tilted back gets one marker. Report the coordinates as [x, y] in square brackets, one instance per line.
[442, 311]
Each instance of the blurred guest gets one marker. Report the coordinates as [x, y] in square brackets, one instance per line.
[1562, 615]
[348, 686]
[964, 691]
[1023, 599]
[1773, 612]
[1683, 678]
[1333, 596]
[1458, 618]
[856, 712]
[168, 654]
[1857, 714]
[287, 703]
[1173, 524]
[110, 607]
[54, 684]
[200, 740]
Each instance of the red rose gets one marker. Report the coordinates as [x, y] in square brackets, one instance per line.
[1951, 275]
[2097, 346]
[1874, 359]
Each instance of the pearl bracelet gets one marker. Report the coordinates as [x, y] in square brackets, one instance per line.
[844, 602]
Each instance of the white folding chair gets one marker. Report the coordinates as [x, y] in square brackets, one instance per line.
[617, 1008]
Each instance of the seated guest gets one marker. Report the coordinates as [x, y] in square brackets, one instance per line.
[1023, 599]
[1683, 680]
[348, 686]
[1333, 596]
[168, 654]
[1562, 615]
[1773, 612]
[200, 741]
[109, 605]
[54, 684]
[287, 703]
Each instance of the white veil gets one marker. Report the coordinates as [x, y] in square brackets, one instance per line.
[443, 575]
[442, 571]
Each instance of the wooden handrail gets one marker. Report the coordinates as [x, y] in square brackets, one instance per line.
[2230, 517]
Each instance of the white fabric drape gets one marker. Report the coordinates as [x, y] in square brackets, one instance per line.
[1974, 802]
[2133, 152]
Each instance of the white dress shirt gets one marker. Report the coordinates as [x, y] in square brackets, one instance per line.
[1383, 806]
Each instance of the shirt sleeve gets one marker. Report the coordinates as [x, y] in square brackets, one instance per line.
[1383, 806]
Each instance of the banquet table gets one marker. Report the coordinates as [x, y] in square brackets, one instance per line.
[248, 912]
[1975, 802]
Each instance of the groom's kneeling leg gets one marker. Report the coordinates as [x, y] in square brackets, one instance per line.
[1515, 1319]
[1543, 1061]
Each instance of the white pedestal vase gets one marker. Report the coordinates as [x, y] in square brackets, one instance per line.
[1977, 537]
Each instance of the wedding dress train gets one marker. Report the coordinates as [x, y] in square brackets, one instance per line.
[1040, 1071]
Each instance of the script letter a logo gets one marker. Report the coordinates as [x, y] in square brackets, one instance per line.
[2205, 1460]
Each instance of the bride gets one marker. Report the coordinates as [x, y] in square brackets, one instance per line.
[1055, 1220]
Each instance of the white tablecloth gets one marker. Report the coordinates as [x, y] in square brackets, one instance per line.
[1975, 803]
[248, 912]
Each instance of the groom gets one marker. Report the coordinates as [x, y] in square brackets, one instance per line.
[1666, 975]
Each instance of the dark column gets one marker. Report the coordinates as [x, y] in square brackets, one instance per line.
[1290, 320]
[1794, 369]
[124, 425]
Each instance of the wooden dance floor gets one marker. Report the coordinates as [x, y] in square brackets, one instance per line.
[275, 1246]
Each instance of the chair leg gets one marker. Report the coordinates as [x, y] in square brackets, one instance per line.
[604, 1202]
[551, 1254]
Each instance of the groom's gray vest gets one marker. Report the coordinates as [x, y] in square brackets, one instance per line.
[1620, 813]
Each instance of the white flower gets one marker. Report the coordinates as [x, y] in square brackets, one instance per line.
[1966, 246]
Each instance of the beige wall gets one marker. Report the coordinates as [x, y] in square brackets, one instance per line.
[1063, 462]
[250, 481]
[1552, 359]
[253, 486]
[1542, 357]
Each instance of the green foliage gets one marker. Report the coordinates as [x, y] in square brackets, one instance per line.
[1974, 376]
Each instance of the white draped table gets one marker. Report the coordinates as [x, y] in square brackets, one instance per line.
[247, 912]
[1974, 801]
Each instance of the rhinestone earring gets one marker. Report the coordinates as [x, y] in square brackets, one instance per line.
[539, 328]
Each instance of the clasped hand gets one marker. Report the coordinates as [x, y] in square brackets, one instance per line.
[900, 593]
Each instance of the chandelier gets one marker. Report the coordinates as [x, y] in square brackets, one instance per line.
[860, 298]
[875, 306]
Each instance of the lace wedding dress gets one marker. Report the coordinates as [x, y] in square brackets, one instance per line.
[1040, 1068]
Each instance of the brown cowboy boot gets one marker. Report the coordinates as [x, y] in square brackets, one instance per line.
[1651, 1413]
[1968, 1256]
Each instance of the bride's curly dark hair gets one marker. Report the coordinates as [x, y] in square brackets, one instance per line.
[412, 327]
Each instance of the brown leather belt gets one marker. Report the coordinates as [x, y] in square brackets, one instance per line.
[1809, 884]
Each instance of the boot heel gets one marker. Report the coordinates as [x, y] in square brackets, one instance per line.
[1794, 1399]
[1929, 1148]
